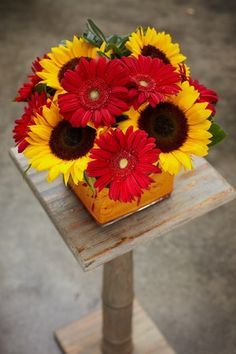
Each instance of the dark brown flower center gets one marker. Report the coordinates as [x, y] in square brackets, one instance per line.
[120, 118]
[51, 91]
[70, 65]
[150, 51]
[167, 123]
[69, 143]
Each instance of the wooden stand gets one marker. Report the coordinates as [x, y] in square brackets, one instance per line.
[110, 331]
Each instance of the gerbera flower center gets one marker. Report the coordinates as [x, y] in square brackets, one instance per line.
[70, 65]
[151, 51]
[123, 163]
[69, 143]
[167, 123]
[94, 94]
[143, 83]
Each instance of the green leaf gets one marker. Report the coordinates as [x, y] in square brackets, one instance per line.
[125, 52]
[117, 44]
[44, 88]
[115, 49]
[90, 181]
[40, 88]
[123, 41]
[112, 39]
[103, 54]
[95, 29]
[92, 39]
[218, 134]
[93, 34]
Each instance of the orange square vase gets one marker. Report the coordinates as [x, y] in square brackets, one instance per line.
[105, 211]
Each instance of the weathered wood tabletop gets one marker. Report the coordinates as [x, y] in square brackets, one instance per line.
[196, 193]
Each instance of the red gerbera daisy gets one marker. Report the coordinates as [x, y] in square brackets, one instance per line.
[96, 92]
[123, 161]
[206, 95]
[26, 90]
[21, 129]
[150, 80]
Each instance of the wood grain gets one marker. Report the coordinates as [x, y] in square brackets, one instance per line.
[196, 193]
[84, 336]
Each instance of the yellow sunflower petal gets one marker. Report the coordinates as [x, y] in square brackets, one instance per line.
[40, 161]
[41, 131]
[184, 159]
[40, 120]
[48, 65]
[51, 115]
[60, 55]
[198, 113]
[205, 125]
[198, 148]
[48, 162]
[54, 172]
[199, 133]
[132, 121]
[186, 97]
[66, 177]
[169, 163]
[66, 165]
[35, 140]
[32, 151]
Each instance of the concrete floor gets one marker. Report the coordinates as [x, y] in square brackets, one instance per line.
[186, 280]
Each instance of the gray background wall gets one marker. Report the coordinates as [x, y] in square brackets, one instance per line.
[186, 279]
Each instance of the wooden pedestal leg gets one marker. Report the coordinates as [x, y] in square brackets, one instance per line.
[115, 320]
[117, 296]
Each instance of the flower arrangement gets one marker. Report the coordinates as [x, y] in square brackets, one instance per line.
[112, 112]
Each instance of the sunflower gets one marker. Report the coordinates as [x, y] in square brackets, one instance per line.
[180, 126]
[155, 44]
[63, 58]
[56, 146]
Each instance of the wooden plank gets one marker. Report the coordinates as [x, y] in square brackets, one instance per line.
[196, 193]
[84, 336]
